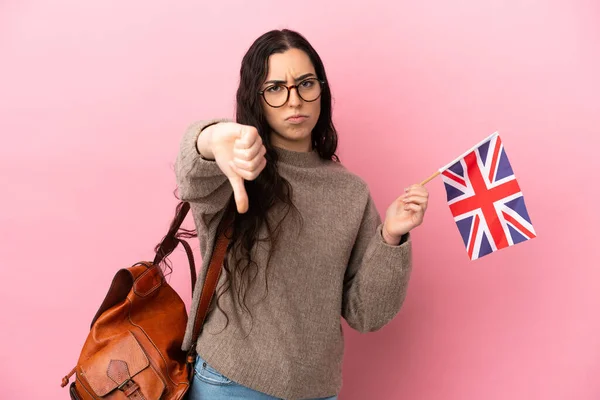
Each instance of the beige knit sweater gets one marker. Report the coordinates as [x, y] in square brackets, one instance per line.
[336, 266]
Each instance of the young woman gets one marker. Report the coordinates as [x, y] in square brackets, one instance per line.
[308, 244]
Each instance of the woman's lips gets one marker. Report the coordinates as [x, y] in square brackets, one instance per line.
[296, 119]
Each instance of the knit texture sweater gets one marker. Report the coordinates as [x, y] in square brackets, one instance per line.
[330, 263]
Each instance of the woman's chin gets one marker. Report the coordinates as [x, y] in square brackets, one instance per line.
[298, 138]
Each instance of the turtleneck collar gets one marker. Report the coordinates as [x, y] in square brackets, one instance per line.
[299, 158]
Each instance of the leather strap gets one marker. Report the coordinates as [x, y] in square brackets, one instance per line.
[190, 256]
[118, 372]
[132, 391]
[215, 267]
[212, 278]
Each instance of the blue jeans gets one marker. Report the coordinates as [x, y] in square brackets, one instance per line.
[210, 384]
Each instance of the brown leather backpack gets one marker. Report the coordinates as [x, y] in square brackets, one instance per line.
[133, 350]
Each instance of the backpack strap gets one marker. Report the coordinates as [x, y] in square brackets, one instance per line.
[212, 278]
[215, 267]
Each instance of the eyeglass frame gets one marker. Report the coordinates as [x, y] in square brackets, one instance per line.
[289, 90]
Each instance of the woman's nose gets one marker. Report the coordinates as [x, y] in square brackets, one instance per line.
[295, 99]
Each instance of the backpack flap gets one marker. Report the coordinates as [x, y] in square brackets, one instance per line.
[122, 365]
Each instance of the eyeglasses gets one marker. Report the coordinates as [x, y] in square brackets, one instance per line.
[278, 94]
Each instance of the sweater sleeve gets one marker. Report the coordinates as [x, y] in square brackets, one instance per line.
[377, 275]
[199, 180]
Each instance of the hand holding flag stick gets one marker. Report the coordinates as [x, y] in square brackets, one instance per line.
[405, 213]
[485, 199]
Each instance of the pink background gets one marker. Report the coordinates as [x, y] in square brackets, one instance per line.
[95, 97]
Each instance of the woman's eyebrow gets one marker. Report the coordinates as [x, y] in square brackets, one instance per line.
[297, 79]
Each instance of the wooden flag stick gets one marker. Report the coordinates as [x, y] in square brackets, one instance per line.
[430, 178]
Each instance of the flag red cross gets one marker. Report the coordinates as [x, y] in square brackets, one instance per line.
[484, 199]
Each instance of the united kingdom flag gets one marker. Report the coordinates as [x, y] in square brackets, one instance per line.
[485, 199]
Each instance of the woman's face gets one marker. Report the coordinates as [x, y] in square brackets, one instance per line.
[292, 123]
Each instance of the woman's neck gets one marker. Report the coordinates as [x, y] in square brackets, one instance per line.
[304, 145]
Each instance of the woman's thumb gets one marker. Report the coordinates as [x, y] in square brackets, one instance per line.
[239, 193]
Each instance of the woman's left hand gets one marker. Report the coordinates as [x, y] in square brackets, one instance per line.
[405, 213]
